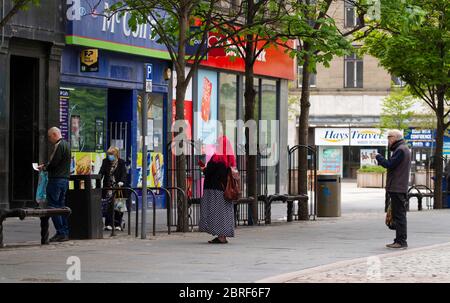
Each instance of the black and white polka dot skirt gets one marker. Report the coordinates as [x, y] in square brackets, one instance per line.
[216, 214]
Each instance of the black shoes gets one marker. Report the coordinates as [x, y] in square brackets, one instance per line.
[397, 246]
[59, 238]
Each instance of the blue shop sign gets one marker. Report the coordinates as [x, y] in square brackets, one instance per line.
[91, 27]
[420, 138]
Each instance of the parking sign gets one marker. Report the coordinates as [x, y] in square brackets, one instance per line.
[148, 77]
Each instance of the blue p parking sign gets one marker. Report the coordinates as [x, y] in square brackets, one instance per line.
[148, 77]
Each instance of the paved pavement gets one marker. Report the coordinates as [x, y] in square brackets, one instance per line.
[256, 253]
[425, 265]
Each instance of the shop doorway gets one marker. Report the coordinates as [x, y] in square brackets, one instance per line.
[120, 115]
[23, 148]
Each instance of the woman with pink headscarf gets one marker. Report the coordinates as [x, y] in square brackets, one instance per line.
[216, 213]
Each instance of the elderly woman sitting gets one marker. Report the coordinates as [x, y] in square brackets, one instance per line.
[113, 172]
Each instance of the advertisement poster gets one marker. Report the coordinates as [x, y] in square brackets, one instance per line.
[83, 163]
[155, 169]
[368, 157]
[330, 160]
[99, 130]
[206, 115]
[86, 163]
[87, 108]
[64, 96]
[188, 109]
[75, 138]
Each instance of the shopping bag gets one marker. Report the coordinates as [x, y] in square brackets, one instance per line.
[120, 203]
[41, 190]
[389, 218]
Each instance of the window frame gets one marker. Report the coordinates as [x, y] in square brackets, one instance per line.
[355, 59]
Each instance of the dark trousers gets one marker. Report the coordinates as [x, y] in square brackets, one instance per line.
[117, 218]
[56, 197]
[398, 205]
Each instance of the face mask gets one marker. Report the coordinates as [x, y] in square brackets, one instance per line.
[111, 157]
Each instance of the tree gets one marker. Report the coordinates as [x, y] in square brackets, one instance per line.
[320, 39]
[263, 23]
[411, 40]
[396, 110]
[18, 5]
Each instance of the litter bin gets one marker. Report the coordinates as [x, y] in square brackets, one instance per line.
[84, 199]
[329, 196]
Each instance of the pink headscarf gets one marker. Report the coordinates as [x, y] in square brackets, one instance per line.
[224, 152]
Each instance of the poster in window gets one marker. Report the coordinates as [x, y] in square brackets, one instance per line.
[75, 130]
[331, 160]
[99, 130]
[368, 157]
[206, 115]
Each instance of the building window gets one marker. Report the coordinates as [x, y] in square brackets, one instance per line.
[228, 92]
[350, 14]
[353, 71]
[312, 78]
[397, 82]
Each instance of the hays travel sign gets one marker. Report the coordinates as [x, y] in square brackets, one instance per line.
[350, 136]
[88, 25]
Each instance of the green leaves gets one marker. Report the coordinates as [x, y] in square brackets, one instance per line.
[396, 110]
[412, 42]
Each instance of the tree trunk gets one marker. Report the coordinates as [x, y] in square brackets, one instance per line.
[438, 159]
[182, 83]
[249, 96]
[251, 142]
[303, 213]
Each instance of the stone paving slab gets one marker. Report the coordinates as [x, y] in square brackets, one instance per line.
[430, 264]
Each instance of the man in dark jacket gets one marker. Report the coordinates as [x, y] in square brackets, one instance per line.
[398, 170]
[58, 168]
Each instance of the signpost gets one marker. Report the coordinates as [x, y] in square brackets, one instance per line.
[148, 78]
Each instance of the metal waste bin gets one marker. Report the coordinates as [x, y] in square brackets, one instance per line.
[329, 196]
[84, 199]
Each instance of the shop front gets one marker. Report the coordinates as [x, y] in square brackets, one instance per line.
[101, 94]
[215, 103]
[343, 151]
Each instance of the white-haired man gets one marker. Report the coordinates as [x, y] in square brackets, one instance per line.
[58, 168]
[398, 170]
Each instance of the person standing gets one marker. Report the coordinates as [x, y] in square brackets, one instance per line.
[114, 173]
[398, 171]
[216, 213]
[58, 168]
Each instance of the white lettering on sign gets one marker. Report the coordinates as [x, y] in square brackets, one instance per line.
[232, 50]
[75, 12]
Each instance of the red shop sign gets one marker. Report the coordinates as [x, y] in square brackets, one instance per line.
[272, 61]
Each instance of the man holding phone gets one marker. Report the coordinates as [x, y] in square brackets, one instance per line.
[398, 170]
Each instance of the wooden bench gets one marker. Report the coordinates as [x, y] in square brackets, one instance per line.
[421, 191]
[43, 213]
